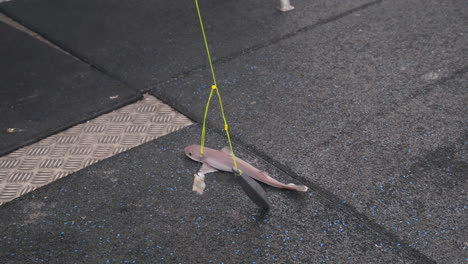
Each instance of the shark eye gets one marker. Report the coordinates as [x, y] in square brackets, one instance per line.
[190, 153]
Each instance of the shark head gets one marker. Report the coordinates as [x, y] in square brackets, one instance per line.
[193, 152]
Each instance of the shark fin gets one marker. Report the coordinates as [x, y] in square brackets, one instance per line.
[265, 173]
[300, 188]
[205, 168]
[226, 150]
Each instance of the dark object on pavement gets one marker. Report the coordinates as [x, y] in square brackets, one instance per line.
[253, 189]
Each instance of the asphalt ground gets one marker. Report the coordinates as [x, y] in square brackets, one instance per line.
[144, 43]
[364, 102]
[44, 91]
[371, 107]
[138, 207]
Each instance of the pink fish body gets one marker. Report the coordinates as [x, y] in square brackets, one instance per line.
[214, 160]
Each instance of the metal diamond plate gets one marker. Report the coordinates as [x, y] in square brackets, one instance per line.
[85, 144]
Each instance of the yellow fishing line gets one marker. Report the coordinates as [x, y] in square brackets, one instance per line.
[202, 144]
[213, 87]
[206, 43]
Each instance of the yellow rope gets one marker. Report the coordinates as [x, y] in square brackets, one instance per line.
[213, 87]
[206, 44]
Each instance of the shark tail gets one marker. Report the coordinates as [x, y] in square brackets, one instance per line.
[300, 188]
[290, 186]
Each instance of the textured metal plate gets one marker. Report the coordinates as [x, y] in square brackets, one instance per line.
[82, 145]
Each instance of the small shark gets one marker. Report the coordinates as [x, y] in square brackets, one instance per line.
[214, 160]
